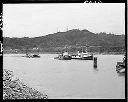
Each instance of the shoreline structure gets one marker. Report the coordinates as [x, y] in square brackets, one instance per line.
[14, 89]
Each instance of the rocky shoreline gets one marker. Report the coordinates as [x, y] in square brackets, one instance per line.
[14, 89]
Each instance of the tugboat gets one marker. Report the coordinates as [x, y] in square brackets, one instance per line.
[64, 56]
[83, 55]
[120, 67]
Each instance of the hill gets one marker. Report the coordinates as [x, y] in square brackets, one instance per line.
[70, 38]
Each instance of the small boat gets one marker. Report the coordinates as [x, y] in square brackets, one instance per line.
[35, 55]
[64, 56]
[83, 56]
[120, 67]
[28, 55]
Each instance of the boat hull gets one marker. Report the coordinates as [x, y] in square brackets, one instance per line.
[35, 56]
[83, 58]
[32, 56]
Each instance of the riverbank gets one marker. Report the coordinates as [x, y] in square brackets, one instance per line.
[14, 89]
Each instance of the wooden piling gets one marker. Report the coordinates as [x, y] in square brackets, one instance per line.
[95, 62]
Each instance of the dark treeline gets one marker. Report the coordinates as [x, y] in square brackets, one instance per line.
[73, 39]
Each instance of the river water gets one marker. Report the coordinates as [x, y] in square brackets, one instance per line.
[69, 78]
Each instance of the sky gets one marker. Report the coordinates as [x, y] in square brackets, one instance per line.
[33, 20]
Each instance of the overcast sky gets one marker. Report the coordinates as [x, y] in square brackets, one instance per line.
[32, 20]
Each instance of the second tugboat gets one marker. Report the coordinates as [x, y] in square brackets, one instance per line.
[84, 55]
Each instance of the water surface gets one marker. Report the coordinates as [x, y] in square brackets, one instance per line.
[69, 78]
